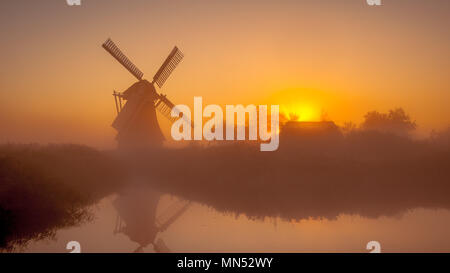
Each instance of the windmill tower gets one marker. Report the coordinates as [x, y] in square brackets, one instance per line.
[136, 121]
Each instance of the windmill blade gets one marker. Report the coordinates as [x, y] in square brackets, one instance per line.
[171, 214]
[119, 225]
[139, 249]
[121, 58]
[168, 66]
[165, 106]
[161, 247]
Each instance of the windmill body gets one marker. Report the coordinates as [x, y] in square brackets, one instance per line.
[136, 123]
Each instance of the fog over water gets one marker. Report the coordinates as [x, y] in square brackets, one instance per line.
[323, 190]
[203, 229]
[323, 184]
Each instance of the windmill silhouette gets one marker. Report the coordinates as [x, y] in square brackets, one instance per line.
[138, 127]
[138, 219]
[136, 121]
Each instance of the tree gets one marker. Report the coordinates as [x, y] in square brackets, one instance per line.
[395, 121]
[349, 127]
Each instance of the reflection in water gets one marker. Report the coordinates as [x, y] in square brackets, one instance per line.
[136, 215]
[202, 229]
[138, 219]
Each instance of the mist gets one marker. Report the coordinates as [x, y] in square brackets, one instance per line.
[319, 171]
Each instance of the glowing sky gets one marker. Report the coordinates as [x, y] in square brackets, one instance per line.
[342, 58]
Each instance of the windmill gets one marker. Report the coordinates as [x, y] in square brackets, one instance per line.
[137, 125]
[136, 121]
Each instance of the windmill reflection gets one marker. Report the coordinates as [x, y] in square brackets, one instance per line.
[138, 219]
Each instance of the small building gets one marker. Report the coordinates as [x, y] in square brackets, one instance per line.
[311, 128]
[311, 135]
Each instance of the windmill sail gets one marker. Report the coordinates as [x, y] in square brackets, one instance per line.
[168, 66]
[165, 107]
[161, 247]
[119, 56]
[171, 214]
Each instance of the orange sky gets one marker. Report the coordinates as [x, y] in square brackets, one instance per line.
[342, 58]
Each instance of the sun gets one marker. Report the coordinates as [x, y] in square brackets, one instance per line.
[303, 112]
